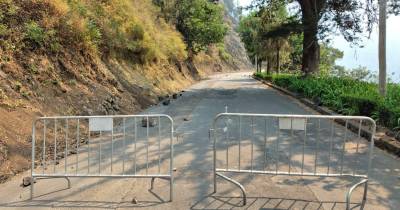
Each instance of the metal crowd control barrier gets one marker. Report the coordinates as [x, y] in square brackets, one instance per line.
[293, 145]
[131, 146]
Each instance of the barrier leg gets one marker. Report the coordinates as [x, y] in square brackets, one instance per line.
[171, 189]
[237, 184]
[152, 183]
[349, 193]
[69, 182]
[32, 188]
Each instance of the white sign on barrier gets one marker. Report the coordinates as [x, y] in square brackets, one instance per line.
[292, 124]
[100, 124]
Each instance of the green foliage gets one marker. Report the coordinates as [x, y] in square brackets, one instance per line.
[359, 105]
[93, 32]
[223, 54]
[296, 41]
[345, 95]
[201, 23]
[248, 29]
[328, 57]
[358, 73]
[3, 30]
[35, 33]
[41, 37]
[255, 29]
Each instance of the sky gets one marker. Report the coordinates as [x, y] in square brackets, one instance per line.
[368, 55]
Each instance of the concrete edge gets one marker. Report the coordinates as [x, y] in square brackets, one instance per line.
[381, 141]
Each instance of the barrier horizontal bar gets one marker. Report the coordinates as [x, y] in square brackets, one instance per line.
[288, 174]
[333, 117]
[99, 176]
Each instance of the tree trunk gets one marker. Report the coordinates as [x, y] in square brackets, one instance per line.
[278, 59]
[269, 62]
[256, 62]
[382, 46]
[311, 10]
[190, 54]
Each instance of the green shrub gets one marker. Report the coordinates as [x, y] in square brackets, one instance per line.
[35, 33]
[3, 30]
[263, 75]
[136, 32]
[388, 116]
[93, 32]
[346, 95]
[360, 105]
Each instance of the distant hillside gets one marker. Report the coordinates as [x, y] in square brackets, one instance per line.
[233, 44]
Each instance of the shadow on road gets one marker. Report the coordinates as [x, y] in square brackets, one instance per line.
[266, 203]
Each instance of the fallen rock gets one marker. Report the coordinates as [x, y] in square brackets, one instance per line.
[134, 201]
[27, 181]
[166, 102]
[175, 96]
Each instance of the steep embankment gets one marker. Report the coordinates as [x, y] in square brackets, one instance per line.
[85, 57]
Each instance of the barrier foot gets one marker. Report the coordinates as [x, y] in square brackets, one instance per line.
[171, 185]
[69, 182]
[237, 184]
[152, 183]
[350, 192]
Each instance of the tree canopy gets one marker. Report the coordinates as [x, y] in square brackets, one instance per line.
[319, 19]
[201, 23]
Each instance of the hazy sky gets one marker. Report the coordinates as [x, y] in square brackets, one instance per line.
[368, 56]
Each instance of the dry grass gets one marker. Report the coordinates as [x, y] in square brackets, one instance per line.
[132, 29]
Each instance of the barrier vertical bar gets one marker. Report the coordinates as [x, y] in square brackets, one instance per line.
[357, 148]
[99, 147]
[265, 143]
[33, 156]
[330, 145]
[147, 146]
[135, 145]
[55, 145]
[359, 135]
[171, 169]
[290, 145]
[44, 146]
[77, 145]
[252, 141]
[277, 148]
[304, 145]
[344, 147]
[66, 145]
[112, 146]
[88, 149]
[124, 146]
[240, 138]
[317, 146]
[214, 157]
[159, 144]
[227, 143]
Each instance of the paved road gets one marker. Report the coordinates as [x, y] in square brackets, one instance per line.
[193, 114]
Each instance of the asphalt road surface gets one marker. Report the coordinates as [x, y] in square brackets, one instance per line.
[193, 114]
